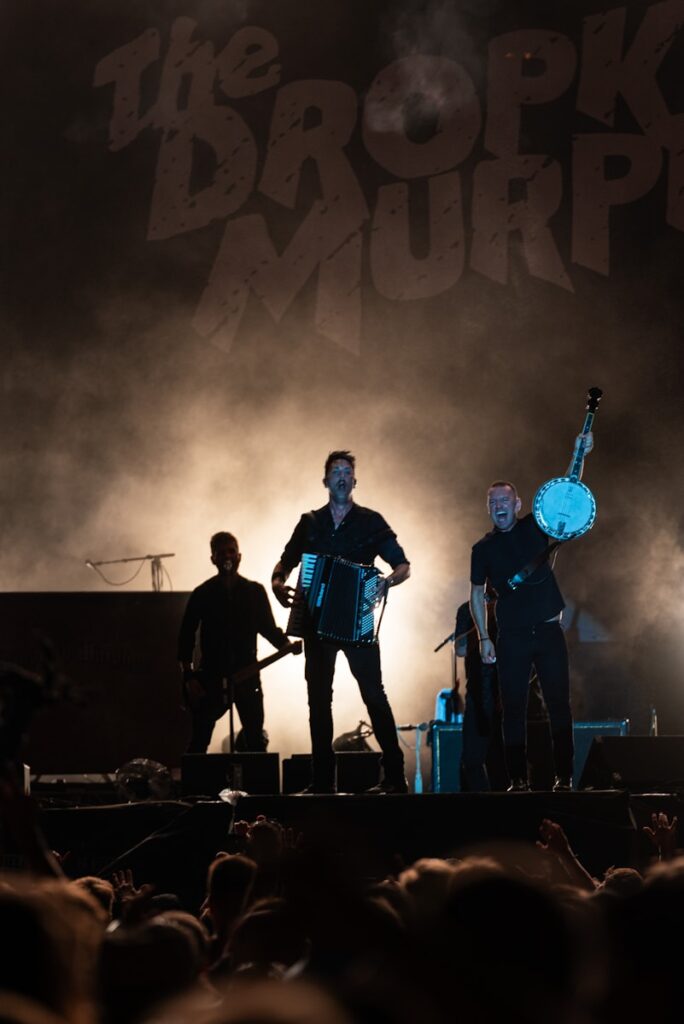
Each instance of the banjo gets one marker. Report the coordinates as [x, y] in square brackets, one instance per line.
[564, 507]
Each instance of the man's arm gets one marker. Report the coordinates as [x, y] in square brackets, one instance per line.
[187, 633]
[284, 566]
[266, 624]
[399, 574]
[284, 595]
[391, 551]
[478, 610]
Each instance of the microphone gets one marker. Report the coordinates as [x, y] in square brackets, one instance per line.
[423, 726]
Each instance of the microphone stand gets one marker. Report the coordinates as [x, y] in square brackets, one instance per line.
[420, 728]
[155, 565]
[446, 640]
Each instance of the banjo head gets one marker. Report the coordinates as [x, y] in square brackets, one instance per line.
[564, 508]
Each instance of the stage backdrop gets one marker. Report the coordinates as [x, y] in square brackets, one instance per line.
[240, 235]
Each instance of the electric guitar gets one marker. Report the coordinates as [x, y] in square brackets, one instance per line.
[564, 507]
[208, 682]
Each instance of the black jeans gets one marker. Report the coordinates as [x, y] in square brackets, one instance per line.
[364, 663]
[517, 651]
[249, 704]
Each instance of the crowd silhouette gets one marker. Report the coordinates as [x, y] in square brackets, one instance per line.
[294, 928]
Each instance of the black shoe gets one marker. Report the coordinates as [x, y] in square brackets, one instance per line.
[518, 786]
[562, 784]
[312, 790]
[389, 786]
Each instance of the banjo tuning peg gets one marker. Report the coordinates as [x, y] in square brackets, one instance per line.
[593, 398]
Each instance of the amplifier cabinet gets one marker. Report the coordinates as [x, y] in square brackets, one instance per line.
[446, 741]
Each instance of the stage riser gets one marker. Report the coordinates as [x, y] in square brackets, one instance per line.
[171, 844]
[599, 825]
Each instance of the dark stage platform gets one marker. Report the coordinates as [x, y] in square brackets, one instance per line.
[171, 842]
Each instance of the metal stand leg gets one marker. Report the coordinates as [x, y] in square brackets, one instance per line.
[418, 779]
[229, 698]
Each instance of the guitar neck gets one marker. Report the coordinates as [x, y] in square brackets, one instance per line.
[251, 670]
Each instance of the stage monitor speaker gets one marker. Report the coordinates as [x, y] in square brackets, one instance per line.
[296, 773]
[357, 771]
[640, 764]
[209, 774]
[584, 733]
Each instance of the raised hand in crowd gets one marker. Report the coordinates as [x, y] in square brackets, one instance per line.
[270, 845]
[662, 834]
[553, 840]
[132, 902]
[265, 839]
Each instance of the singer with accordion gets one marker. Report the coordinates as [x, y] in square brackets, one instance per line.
[334, 608]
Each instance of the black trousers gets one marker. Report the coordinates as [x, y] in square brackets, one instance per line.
[364, 663]
[517, 651]
[249, 704]
[482, 756]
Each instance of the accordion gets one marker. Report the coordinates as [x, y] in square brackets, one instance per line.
[337, 600]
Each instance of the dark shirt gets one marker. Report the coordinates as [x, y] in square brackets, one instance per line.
[500, 555]
[361, 537]
[229, 618]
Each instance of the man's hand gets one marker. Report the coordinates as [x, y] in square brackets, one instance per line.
[587, 440]
[380, 590]
[193, 691]
[552, 837]
[283, 594]
[487, 652]
[134, 903]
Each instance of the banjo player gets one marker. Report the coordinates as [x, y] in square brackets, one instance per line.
[514, 559]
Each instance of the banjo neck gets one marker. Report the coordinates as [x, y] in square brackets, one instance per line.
[593, 400]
